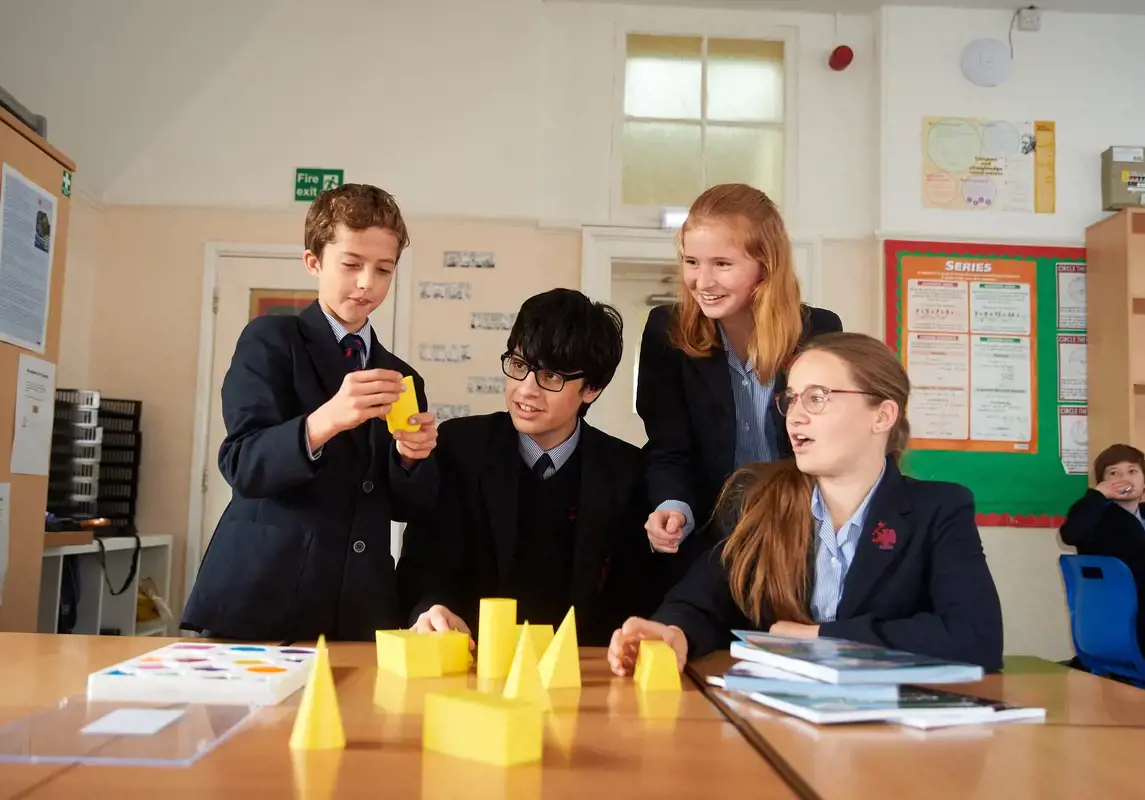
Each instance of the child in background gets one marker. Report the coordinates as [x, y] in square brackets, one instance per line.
[303, 547]
[1107, 520]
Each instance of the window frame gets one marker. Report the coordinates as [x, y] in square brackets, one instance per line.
[644, 216]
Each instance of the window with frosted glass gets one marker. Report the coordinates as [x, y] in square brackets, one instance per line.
[700, 111]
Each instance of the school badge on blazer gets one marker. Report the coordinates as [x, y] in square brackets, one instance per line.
[884, 537]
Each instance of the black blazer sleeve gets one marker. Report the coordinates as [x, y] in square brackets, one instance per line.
[430, 570]
[413, 492]
[701, 605]
[661, 404]
[636, 581]
[964, 622]
[1081, 527]
[264, 451]
[823, 321]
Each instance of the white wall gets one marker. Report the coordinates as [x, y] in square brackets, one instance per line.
[435, 101]
[499, 109]
[1083, 71]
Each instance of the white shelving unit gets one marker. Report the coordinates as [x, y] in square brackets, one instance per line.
[96, 608]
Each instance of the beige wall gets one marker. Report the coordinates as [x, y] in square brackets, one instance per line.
[529, 260]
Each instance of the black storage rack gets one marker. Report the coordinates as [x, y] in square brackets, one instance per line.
[95, 460]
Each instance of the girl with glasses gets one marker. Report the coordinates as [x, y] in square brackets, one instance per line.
[836, 542]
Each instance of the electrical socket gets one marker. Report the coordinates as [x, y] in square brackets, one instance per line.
[1030, 19]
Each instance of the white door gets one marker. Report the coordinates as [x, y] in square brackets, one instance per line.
[637, 286]
[250, 286]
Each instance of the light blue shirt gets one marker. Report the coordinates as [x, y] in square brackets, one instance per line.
[531, 452]
[339, 334]
[755, 432]
[834, 552]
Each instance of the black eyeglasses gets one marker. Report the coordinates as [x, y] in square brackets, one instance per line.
[813, 398]
[518, 369]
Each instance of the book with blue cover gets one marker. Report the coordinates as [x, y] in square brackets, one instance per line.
[749, 677]
[840, 661]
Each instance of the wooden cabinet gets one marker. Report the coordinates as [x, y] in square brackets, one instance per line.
[1115, 349]
[36, 160]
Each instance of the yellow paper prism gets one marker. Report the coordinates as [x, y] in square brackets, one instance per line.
[483, 727]
[405, 407]
[656, 667]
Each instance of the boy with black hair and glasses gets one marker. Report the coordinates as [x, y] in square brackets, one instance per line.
[536, 504]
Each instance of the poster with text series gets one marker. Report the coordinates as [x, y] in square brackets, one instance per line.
[993, 339]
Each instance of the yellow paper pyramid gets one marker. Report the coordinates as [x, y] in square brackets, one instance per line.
[560, 665]
[524, 681]
[656, 667]
[318, 725]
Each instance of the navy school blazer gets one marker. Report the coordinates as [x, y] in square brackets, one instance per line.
[690, 417]
[303, 547]
[465, 549]
[919, 581]
[1097, 526]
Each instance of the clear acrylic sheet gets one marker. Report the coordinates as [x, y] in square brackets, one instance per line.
[136, 734]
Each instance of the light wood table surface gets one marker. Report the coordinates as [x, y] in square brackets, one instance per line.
[603, 741]
[1091, 744]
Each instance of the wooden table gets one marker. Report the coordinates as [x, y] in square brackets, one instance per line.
[602, 741]
[1089, 746]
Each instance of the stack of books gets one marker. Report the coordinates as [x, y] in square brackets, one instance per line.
[829, 681]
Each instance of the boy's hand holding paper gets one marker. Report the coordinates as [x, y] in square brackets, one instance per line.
[364, 394]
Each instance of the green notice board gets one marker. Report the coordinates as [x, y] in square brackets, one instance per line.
[993, 337]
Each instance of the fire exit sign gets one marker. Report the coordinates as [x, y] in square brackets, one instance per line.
[309, 182]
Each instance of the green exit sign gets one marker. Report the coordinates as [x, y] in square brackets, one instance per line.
[310, 182]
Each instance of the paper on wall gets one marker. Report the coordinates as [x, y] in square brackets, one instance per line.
[27, 230]
[35, 405]
[5, 527]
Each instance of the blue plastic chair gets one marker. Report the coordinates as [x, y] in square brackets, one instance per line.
[1102, 599]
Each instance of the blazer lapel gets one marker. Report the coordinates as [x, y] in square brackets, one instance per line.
[322, 347]
[592, 524]
[885, 534]
[500, 484]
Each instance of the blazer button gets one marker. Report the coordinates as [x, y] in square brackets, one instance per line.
[367, 486]
[359, 546]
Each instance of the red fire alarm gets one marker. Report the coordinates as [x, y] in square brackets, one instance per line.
[841, 58]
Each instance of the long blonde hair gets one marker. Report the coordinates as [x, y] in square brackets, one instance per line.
[776, 305]
[766, 555]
